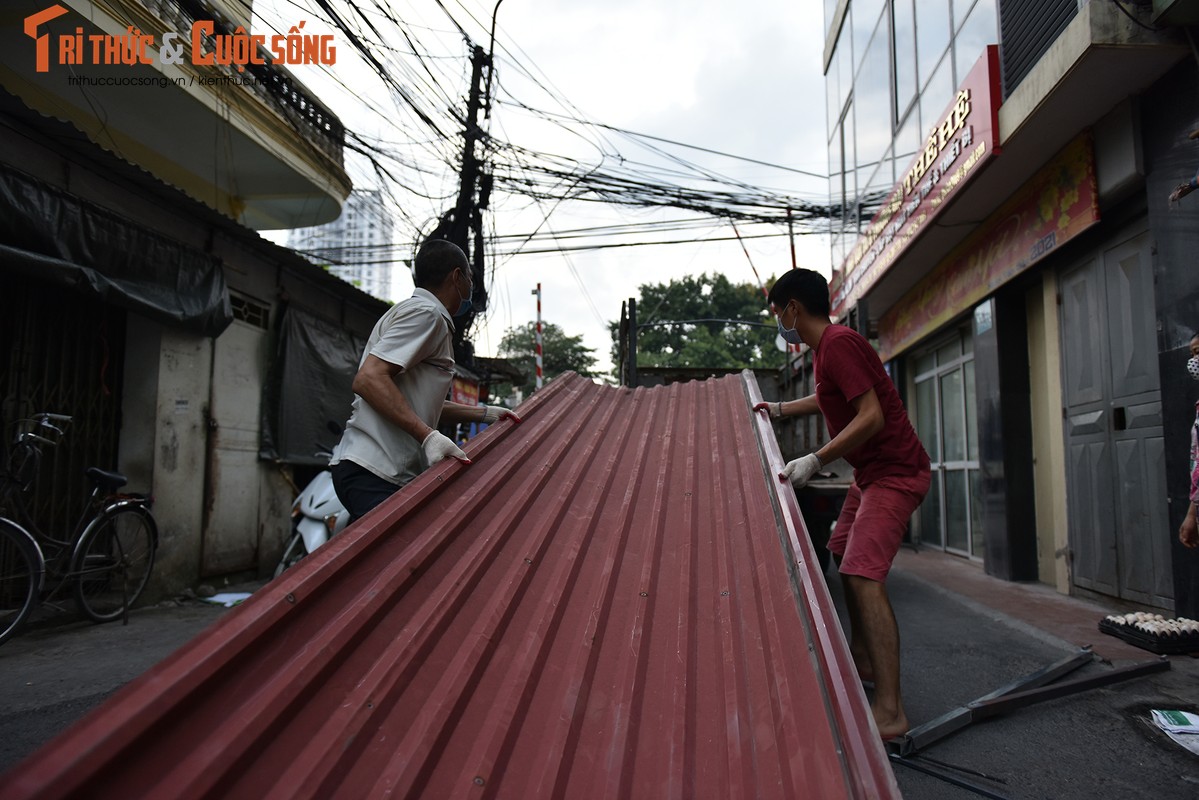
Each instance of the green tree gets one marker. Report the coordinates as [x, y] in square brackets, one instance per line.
[703, 344]
[559, 353]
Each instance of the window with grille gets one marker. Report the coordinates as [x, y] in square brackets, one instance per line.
[250, 311]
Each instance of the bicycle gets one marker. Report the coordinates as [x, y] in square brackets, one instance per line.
[106, 561]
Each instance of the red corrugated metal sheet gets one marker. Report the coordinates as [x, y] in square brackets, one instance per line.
[617, 599]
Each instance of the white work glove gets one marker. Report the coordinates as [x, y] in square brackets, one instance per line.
[439, 447]
[774, 409]
[801, 470]
[493, 414]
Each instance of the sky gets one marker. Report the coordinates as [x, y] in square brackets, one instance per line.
[739, 78]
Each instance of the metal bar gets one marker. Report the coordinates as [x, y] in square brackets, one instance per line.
[925, 735]
[983, 709]
[846, 700]
[945, 775]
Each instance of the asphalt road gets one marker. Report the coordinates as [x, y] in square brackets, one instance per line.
[1095, 745]
[60, 667]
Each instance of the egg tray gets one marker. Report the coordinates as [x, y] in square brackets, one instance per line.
[1162, 645]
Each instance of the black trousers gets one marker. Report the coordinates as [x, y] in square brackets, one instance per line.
[359, 489]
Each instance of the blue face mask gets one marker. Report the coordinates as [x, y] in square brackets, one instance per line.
[465, 305]
[790, 335]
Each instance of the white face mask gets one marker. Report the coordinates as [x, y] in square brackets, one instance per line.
[1193, 367]
[790, 335]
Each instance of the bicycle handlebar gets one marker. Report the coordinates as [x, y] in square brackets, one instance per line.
[43, 421]
[26, 436]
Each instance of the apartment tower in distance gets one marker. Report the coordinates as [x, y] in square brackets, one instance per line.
[355, 247]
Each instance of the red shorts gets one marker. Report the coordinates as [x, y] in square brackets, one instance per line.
[873, 522]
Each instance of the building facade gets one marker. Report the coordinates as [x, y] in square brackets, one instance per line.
[136, 295]
[1004, 170]
[357, 246]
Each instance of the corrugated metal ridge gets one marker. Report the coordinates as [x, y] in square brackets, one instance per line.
[617, 599]
[871, 773]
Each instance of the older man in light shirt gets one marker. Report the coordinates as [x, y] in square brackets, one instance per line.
[402, 384]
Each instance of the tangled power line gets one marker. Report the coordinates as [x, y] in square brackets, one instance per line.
[419, 68]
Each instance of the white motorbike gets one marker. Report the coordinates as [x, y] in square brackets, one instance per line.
[316, 516]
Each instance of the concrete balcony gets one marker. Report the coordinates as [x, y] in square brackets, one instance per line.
[251, 141]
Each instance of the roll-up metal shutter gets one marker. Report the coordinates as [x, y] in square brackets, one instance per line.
[1027, 28]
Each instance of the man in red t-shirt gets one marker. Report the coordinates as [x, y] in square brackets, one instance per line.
[870, 430]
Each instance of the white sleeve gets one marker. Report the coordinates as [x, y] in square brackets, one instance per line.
[411, 337]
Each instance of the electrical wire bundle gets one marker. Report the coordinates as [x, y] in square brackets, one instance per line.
[419, 66]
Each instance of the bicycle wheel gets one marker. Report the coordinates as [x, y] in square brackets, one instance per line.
[21, 571]
[112, 562]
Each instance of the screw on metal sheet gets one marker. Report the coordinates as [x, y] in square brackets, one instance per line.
[291, 598]
[369, 704]
[725, 593]
[687, 494]
[479, 780]
[528, 561]
[645, 594]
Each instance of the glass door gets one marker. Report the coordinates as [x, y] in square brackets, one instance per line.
[946, 421]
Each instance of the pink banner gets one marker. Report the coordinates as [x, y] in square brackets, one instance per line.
[1057, 204]
[956, 149]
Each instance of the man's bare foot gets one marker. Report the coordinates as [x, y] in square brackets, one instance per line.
[890, 725]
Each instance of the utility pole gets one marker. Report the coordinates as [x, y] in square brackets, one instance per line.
[632, 369]
[463, 225]
[791, 236]
[537, 337]
[490, 61]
